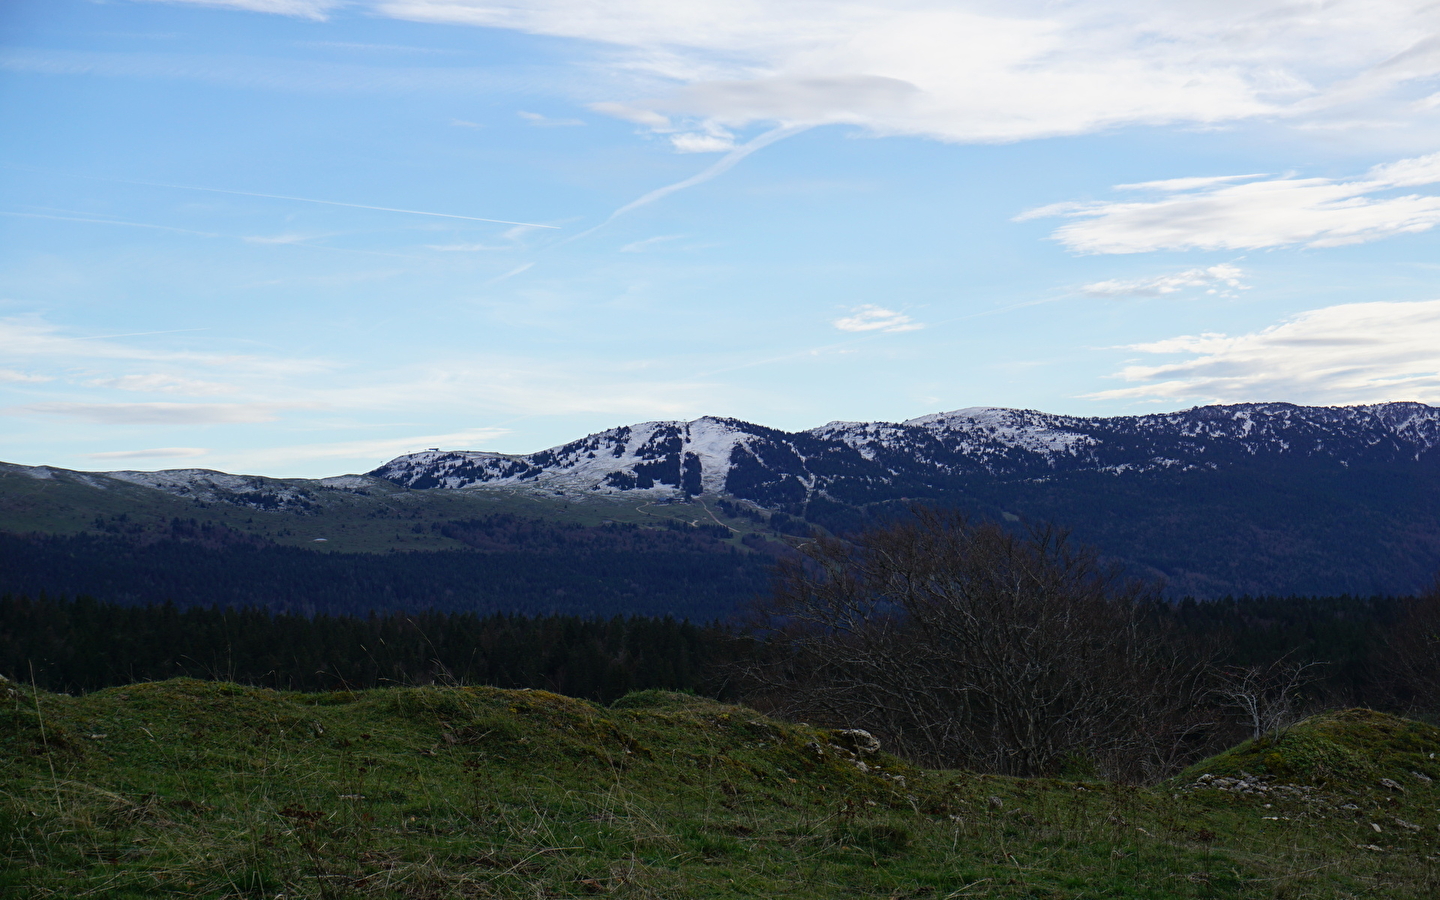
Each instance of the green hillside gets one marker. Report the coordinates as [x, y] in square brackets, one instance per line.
[357, 544]
[196, 789]
[370, 515]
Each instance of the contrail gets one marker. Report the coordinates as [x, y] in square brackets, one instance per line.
[719, 167]
[191, 187]
[510, 274]
[722, 165]
[209, 234]
[109, 222]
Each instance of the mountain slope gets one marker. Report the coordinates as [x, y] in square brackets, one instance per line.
[1248, 498]
[866, 461]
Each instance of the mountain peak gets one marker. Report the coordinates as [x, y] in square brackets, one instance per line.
[771, 468]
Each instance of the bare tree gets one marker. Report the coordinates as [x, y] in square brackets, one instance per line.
[1411, 662]
[1267, 698]
[967, 644]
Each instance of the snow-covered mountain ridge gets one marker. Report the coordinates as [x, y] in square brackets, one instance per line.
[846, 461]
[1243, 499]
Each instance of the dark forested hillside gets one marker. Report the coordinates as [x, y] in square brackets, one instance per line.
[1300, 527]
[517, 566]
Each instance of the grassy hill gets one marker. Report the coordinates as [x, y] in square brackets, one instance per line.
[364, 544]
[200, 789]
[372, 515]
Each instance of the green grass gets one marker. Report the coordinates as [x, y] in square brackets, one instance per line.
[199, 789]
[1344, 751]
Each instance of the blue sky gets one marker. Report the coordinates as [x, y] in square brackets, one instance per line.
[300, 237]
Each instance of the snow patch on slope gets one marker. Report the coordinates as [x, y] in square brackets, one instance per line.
[650, 458]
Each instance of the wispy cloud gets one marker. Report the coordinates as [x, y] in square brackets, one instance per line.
[156, 382]
[412, 212]
[97, 220]
[303, 9]
[11, 376]
[876, 318]
[379, 48]
[505, 276]
[514, 238]
[1354, 353]
[493, 385]
[647, 243]
[1222, 280]
[543, 121]
[157, 413]
[38, 340]
[1233, 213]
[153, 453]
[472, 247]
[283, 240]
[280, 239]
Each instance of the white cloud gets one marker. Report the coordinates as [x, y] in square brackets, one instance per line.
[157, 413]
[10, 376]
[1355, 353]
[304, 9]
[155, 453]
[876, 318]
[1215, 214]
[156, 382]
[972, 70]
[648, 118]
[1223, 280]
[702, 143]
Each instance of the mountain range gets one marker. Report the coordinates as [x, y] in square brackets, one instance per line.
[862, 462]
[1244, 498]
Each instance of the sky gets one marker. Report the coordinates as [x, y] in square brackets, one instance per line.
[301, 237]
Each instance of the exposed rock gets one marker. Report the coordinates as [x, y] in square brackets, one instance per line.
[858, 741]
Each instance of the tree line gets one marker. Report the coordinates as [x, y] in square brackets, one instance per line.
[960, 642]
[79, 645]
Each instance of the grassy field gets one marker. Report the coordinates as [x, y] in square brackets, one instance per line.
[200, 789]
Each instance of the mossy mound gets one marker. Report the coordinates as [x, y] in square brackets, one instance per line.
[1352, 747]
[658, 699]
